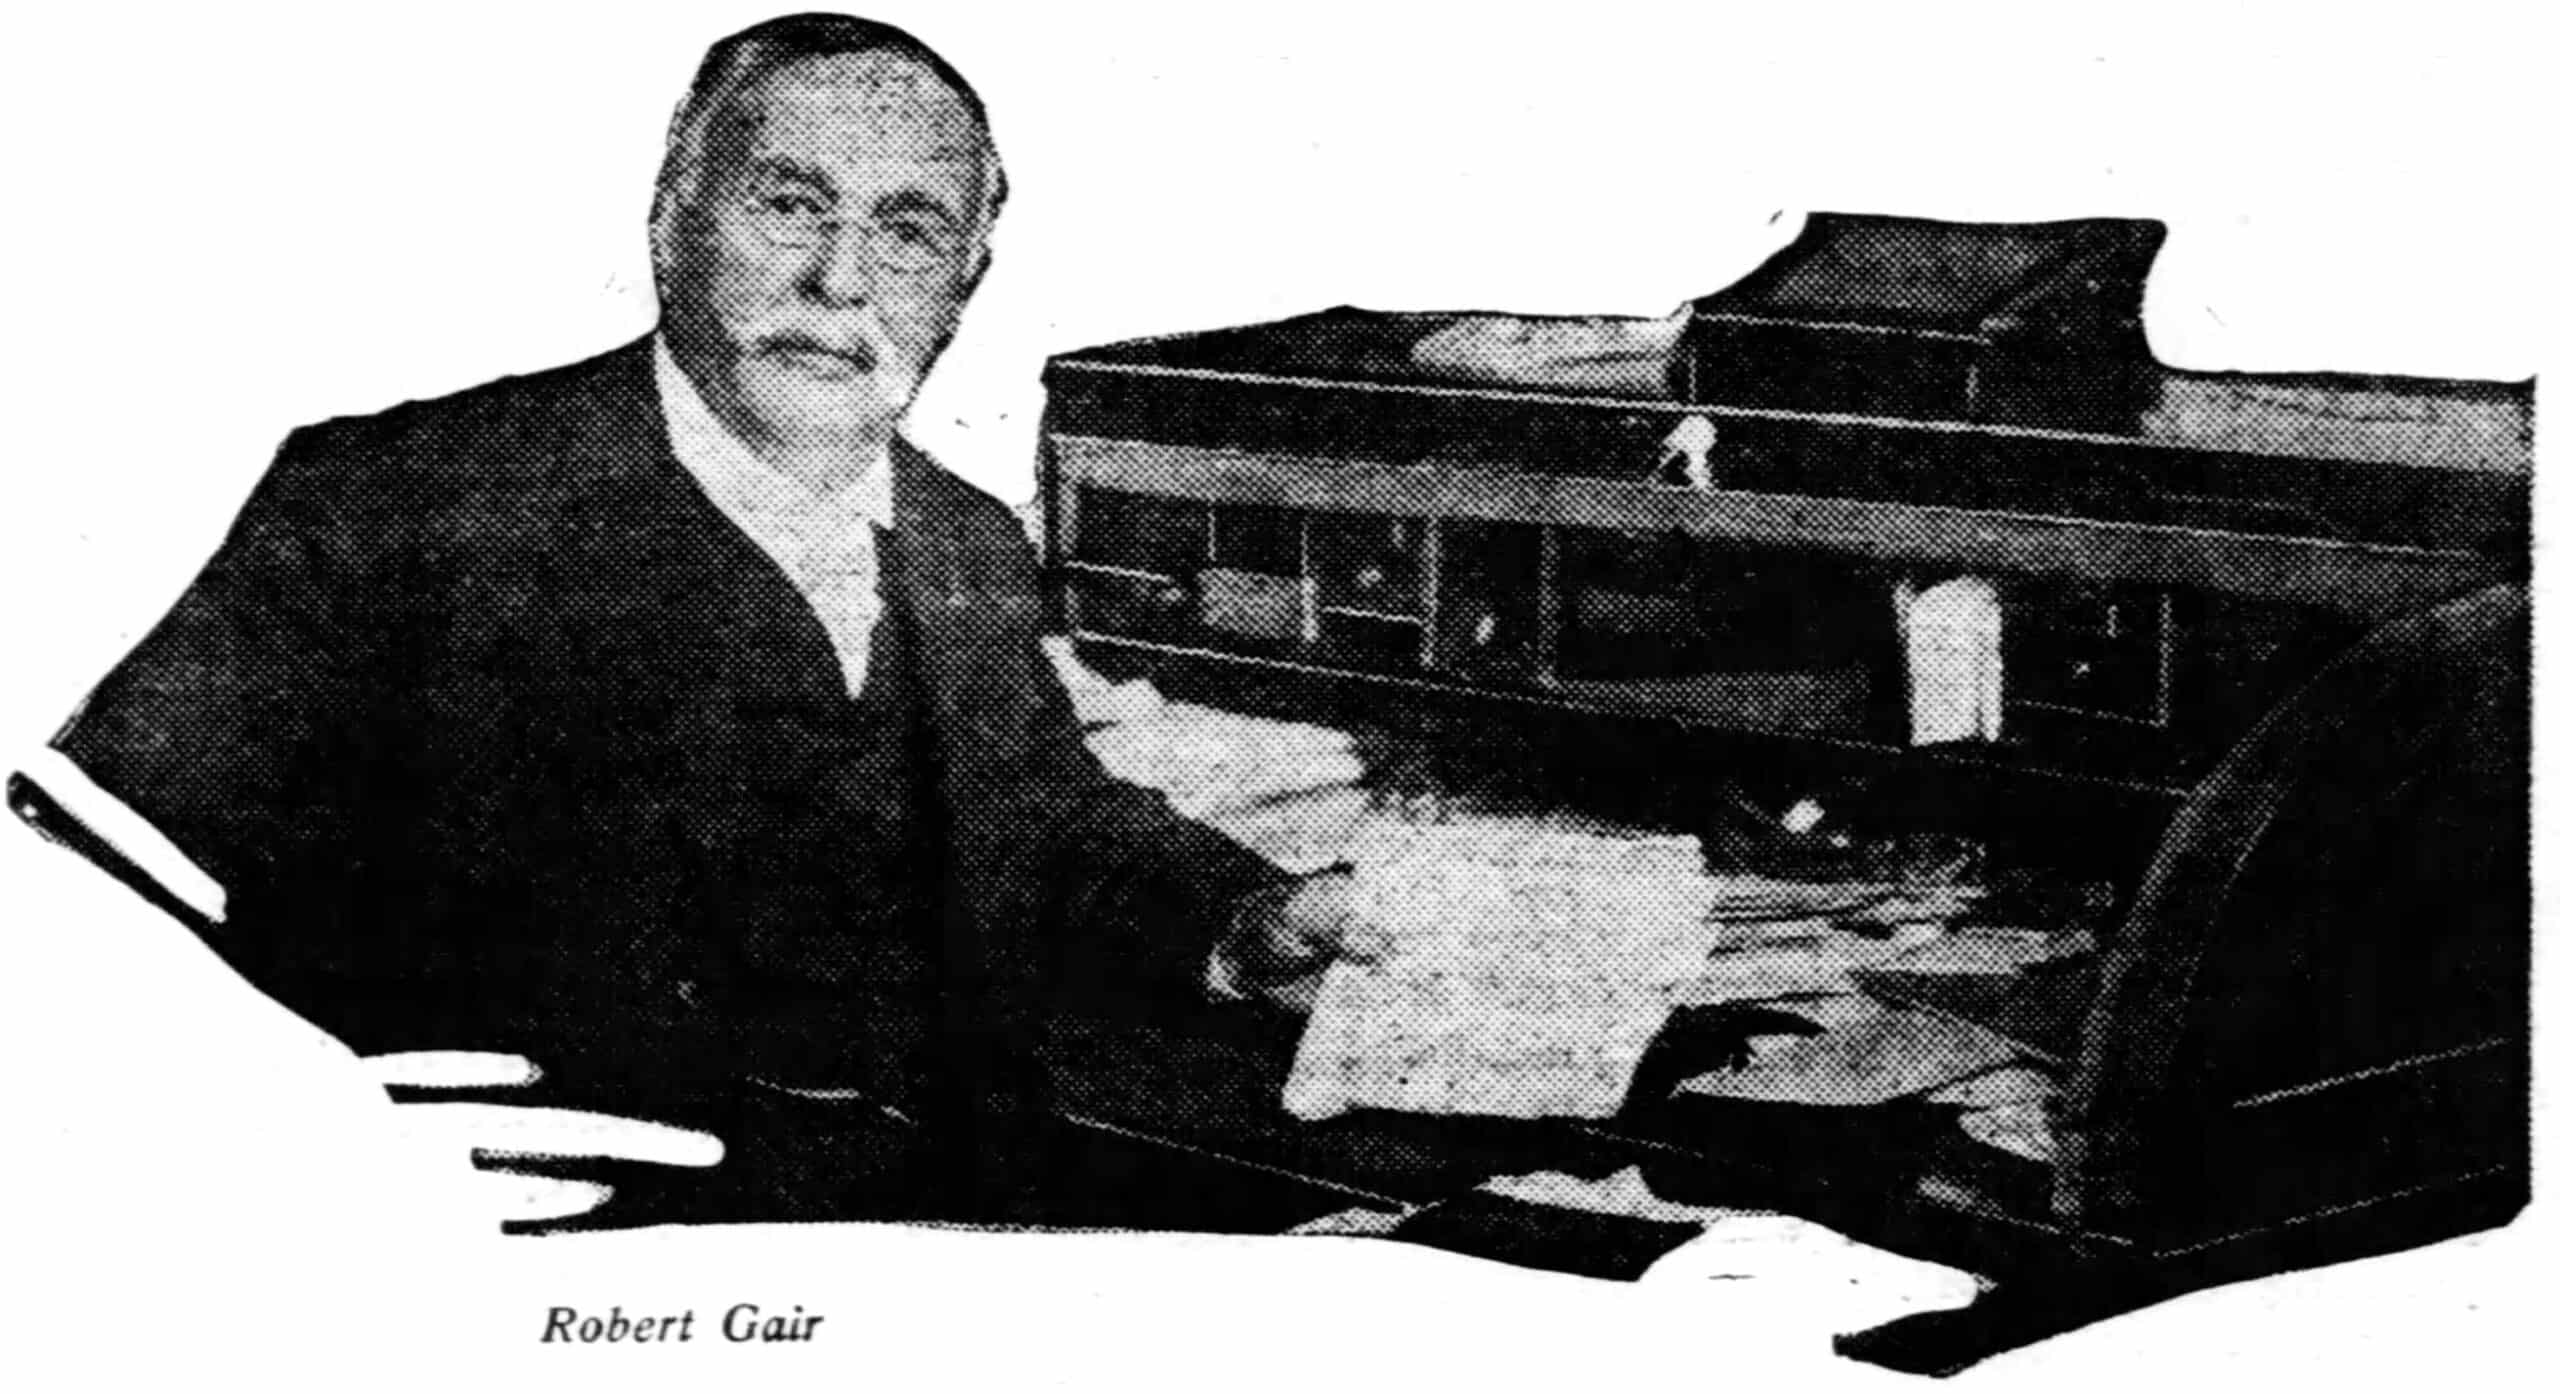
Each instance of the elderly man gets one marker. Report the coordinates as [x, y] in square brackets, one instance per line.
[667, 713]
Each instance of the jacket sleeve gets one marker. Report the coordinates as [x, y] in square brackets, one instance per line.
[1141, 895]
[231, 727]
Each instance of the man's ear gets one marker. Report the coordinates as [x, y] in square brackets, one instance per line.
[670, 245]
[661, 246]
[984, 257]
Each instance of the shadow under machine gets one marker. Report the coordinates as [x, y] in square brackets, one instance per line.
[2248, 648]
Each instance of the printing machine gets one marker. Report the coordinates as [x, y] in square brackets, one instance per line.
[2262, 668]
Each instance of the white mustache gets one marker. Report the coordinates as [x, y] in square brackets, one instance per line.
[865, 345]
[859, 348]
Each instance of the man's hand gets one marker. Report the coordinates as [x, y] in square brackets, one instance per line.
[1286, 938]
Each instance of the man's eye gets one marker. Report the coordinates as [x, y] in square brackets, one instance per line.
[915, 233]
[789, 205]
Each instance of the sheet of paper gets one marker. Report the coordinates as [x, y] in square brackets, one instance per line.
[1098, 701]
[1975, 952]
[2005, 1087]
[1757, 962]
[1300, 832]
[1879, 1053]
[1951, 641]
[2024, 1129]
[1620, 1193]
[1356, 1222]
[1206, 761]
[2008, 1108]
[1530, 970]
[1746, 896]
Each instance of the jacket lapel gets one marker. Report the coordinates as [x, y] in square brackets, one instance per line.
[718, 659]
[973, 666]
[971, 681]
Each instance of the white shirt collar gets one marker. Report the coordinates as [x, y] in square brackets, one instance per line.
[740, 482]
[822, 541]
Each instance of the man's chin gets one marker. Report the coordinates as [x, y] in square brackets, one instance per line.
[820, 410]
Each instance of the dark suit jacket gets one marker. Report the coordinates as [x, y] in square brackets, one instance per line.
[491, 724]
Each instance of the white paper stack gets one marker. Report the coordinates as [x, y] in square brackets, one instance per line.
[1289, 791]
[1208, 762]
[1098, 701]
[1622, 1192]
[1301, 832]
[1866, 1053]
[2010, 1109]
[1764, 960]
[1531, 967]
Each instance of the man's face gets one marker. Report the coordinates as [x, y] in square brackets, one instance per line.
[828, 249]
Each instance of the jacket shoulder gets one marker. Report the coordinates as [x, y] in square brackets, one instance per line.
[973, 517]
[468, 469]
[938, 487]
[973, 548]
[529, 410]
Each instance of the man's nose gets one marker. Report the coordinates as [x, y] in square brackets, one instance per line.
[839, 269]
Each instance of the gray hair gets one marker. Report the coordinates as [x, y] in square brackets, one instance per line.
[737, 63]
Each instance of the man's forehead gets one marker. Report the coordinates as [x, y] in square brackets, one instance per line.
[882, 104]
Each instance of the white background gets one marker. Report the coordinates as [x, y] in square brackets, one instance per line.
[224, 221]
